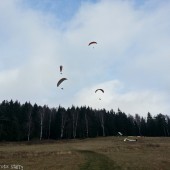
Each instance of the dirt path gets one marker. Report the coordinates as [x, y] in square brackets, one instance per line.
[96, 161]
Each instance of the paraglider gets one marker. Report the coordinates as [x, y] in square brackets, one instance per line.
[99, 90]
[61, 69]
[130, 140]
[92, 43]
[60, 81]
[120, 134]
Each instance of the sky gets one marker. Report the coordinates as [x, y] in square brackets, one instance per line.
[130, 62]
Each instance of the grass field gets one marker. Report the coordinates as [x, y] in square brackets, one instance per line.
[107, 153]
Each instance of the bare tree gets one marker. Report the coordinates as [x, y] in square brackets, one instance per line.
[138, 122]
[75, 115]
[101, 118]
[87, 126]
[63, 122]
[49, 125]
[29, 123]
[167, 122]
[41, 111]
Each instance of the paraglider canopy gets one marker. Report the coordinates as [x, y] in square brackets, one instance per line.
[93, 42]
[119, 133]
[130, 140]
[60, 81]
[99, 90]
[61, 69]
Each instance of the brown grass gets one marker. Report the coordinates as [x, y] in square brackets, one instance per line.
[109, 152]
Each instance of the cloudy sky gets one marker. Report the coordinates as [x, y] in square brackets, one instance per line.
[131, 60]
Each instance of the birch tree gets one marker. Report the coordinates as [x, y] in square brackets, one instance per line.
[75, 115]
[101, 118]
[63, 122]
[167, 123]
[49, 124]
[29, 123]
[41, 112]
[87, 126]
[138, 122]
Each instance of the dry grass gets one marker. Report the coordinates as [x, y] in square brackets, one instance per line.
[98, 153]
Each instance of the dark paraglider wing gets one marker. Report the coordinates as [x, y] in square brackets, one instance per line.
[60, 81]
[93, 42]
[61, 68]
[98, 90]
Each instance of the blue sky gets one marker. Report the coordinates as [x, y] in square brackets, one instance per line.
[130, 61]
[62, 9]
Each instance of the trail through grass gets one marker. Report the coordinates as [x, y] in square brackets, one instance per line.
[96, 161]
[107, 153]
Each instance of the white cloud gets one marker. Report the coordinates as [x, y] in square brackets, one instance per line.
[132, 49]
[115, 97]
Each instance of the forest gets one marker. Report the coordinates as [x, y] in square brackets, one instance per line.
[26, 122]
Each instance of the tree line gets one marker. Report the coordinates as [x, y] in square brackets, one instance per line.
[25, 122]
